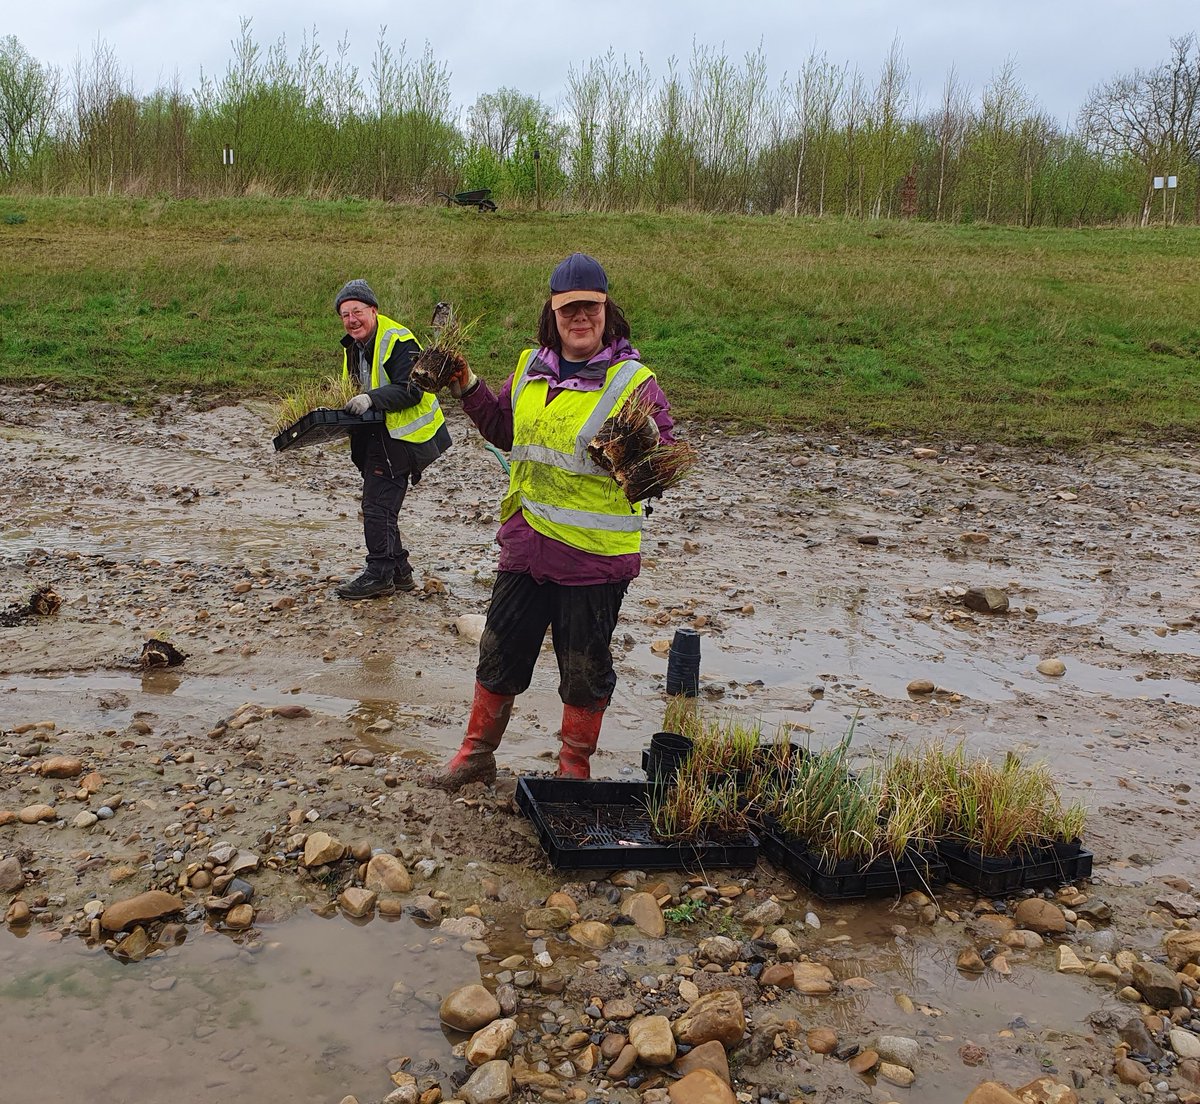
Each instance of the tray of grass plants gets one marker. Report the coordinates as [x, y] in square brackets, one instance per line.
[603, 825]
[1055, 863]
[312, 414]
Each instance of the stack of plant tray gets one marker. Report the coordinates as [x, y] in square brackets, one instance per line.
[590, 824]
[850, 880]
[1051, 864]
[321, 425]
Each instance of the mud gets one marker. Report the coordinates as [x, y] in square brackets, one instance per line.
[821, 574]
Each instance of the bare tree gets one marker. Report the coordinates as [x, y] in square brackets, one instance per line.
[29, 95]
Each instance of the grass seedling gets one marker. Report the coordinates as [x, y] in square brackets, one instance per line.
[443, 357]
[330, 393]
[682, 716]
[627, 447]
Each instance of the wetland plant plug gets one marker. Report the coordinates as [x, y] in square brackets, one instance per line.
[440, 361]
[330, 393]
[43, 602]
[627, 447]
[160, 653]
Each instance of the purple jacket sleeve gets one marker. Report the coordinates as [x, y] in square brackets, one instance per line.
[491, 413]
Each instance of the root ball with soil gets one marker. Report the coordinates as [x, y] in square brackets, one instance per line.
[627, 446]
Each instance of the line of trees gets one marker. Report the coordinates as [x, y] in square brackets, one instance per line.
[715, 135]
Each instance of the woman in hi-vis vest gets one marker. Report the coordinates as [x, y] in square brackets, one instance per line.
[569, 539]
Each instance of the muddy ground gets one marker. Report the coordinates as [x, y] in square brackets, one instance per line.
[824, 574]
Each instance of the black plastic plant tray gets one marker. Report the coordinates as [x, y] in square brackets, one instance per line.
[1054, 864]
[319, 426]
[604, 825]
[846, 881]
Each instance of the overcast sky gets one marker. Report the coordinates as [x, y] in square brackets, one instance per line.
[1061, 47]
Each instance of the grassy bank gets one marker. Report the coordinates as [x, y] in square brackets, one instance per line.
[904, 327]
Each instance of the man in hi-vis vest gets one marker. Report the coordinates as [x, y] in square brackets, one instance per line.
[378, 354]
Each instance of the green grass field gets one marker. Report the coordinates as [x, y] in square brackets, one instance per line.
[973, 332]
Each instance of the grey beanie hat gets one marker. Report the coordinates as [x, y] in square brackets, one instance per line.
[359, 290]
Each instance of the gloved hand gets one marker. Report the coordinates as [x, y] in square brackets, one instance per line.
[358, 405]
[462, 381]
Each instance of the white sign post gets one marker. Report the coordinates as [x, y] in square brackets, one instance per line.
[1167, 184]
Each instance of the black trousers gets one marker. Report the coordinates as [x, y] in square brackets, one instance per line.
[581, 620]
[382, 496]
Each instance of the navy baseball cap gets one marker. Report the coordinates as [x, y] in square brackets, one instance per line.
[578, 279]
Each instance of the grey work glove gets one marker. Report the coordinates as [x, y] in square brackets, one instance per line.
[358, 405]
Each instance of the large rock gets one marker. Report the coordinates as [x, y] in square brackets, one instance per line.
[36, 814]
[469, 1008]
[492, 1083]
[1039, 915]
[357, 902]
[593, 934]
[899, 1049]
[709, 1056]
[321, 848]
[137, 910]
[1130, 1072]
[779, 974]
[387, 874]
[785, 945]
[11, 878]
[61, 766]
[491, 1042]
[896, 1074]
[550, 918]
[717, 1015]
[812, 979]
[465, 927]
[643, 910]
[986, 599]
[652, 1038]
[769, 912]
[1184, 1043]
[719, 949]
[1182, 947]
[702, 1086]
[1157, 984]
[992, 1092]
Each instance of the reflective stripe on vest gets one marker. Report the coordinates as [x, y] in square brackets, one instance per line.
[561, 491]
[414, 423]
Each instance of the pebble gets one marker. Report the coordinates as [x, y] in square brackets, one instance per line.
[1052, 667]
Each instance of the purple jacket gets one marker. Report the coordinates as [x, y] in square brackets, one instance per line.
[523, 548]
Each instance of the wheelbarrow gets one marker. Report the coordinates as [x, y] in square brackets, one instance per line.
[481, 198]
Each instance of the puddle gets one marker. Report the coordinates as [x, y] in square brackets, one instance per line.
[310, 1015]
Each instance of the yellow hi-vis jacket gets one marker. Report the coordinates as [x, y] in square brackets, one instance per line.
[413, 423]
[561, 491]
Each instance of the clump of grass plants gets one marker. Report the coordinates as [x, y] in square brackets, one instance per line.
[329, 393]
[695, 808]
[627, 447]
[441, 360]
[682, 716]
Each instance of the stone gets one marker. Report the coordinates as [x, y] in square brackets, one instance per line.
[469, 1008]
[921, 686]
[1052, 667]
[61, 766]
[387, 874]
[719, 949]
[991, 1092]
[896, 1074]
[470, 627]
[1130, 1072]
[969, 961]
[701, 1086]
[11, 876]
[863, 1062]
[716, 1015]
[1045, 1090]
[1182, 947]
[709, 1056]
[651, 1037]
[1184, 1043]
[18, 913]
[491, 1042]
[136, 910]
[785, 945]
[646, 915]
[491, 1083]
[899, 1050]
[593, 934]
[925, 453]
[986, 599]
[465, 927]
[779, 974]
[623, 1062]
[612, 1045]
[562, 900]
[1067, 961]
[1157, 984]
[321, 848]
[357, 902]
[36, 814]
[551, 918]
[812, 979]
[822, 1040]
[240, 917]
[1136, 1035]
[769, 912]
[1039, 915]
[1026, 940]
[85, 819]
[619, 1009]
[135, 945]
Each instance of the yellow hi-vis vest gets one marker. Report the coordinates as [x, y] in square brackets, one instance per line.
[413, 423]
[561, 491]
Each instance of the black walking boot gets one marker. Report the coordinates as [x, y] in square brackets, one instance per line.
[366, 586]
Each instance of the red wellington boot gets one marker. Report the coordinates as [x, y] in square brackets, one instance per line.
[580, 733]
[476, 761]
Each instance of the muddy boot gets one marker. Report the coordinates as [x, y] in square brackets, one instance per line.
[476, 761]
[580, 733]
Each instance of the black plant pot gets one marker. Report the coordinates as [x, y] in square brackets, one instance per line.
[1048, 863]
